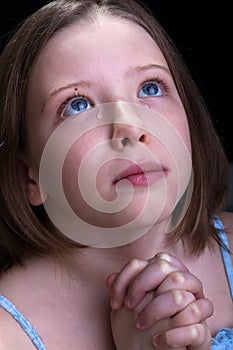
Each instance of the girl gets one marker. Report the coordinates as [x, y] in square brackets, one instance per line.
[108, 157]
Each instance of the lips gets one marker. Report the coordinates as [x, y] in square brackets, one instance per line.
[142, 174]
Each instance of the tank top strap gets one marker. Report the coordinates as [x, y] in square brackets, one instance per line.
[23, 322]
[226, 256]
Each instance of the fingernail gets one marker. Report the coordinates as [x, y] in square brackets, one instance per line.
[157, 341]
[138, 323]
[127, 302]
[114, 304]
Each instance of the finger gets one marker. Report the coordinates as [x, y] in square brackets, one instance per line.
[123, 279]
[148, 279]
[195, 337]
[173, 260]
[110, 279]
[164, 306]
[196, 312]
[181, 280]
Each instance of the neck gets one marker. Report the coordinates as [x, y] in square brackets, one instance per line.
[89, 268]
[85, 271]
[98, 263]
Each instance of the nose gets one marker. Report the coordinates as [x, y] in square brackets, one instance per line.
[127, 127]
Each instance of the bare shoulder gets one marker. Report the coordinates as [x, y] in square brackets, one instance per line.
[11, 334]
[227, 221]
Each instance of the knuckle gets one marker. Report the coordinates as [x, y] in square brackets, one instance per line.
[164, 266]
[116, 289]
[178, 278]
[199, 333]
[196, 312]
[168, 339]
[134, 286]
[194, 332]
[163, 256]
[181, 298]
[177, 297]
[135, 263]
[199, 330]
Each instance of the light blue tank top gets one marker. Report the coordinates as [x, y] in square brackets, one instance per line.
[224, 338]
[222, 341]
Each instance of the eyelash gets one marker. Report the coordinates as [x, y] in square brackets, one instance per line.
[160, 81]
[68, 99]
[156, 80]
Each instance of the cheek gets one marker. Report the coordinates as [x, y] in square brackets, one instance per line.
[78, 154]
[174, 148]
[179, 132]
[81, 165]
[75, 177]
[181, 125]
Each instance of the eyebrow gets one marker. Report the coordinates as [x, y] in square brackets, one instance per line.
[54, 92]
[143, 68]
[85, 84]
[68, 86]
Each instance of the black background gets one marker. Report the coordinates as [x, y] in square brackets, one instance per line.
[199, 29]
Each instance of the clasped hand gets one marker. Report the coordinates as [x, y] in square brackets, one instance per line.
[158, 304]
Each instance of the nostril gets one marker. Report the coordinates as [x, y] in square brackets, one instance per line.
[145, 138]
[124, 141]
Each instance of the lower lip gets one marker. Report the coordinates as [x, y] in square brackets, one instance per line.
[145, 179]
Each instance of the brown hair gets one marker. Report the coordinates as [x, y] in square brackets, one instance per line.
[26, 230]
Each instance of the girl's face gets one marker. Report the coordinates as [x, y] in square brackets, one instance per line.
[108, 82]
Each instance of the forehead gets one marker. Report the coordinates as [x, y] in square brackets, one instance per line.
[106, 43]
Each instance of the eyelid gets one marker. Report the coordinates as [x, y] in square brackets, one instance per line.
[68, 100]
[152, 79]
[159, 81]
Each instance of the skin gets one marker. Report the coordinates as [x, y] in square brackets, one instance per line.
[167, 301]
[124, 85]
[76, 301]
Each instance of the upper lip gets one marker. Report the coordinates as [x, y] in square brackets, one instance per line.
[139, 168]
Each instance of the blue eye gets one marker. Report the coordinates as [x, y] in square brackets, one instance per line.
[76, 106]
[150, 89]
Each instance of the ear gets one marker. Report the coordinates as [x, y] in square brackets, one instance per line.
[36, 196]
